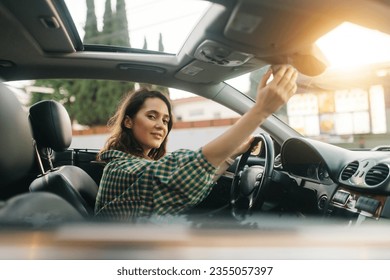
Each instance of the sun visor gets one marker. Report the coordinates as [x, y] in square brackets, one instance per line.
[310, 62]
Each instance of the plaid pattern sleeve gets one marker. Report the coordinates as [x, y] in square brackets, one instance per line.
[136, 187]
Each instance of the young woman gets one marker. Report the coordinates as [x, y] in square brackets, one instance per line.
[139, 180]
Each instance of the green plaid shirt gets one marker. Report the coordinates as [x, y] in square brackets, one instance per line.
[136, 187]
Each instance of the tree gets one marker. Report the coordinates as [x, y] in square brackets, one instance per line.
[108, 25]
[120, 25]
[145, 46]
[98, 100]
[160, 43]
[62, 93]
[91, 35]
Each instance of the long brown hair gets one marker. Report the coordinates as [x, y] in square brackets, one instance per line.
[122, 138]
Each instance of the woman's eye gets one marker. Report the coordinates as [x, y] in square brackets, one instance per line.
[152, 117]
[165, 122]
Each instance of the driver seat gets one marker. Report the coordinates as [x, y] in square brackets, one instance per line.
[52, 131]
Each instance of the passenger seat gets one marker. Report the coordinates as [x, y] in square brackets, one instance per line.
[52, 130]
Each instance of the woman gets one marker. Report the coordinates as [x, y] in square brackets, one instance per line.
[139, 180]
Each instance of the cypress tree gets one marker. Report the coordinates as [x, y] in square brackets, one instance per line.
[160, 43]
[108, 25]
[91, 35]
[120, 25]
[145, 46]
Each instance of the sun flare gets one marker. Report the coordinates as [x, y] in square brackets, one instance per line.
[350, 45]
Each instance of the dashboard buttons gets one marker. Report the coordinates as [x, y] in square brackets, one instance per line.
[341, 197]
[367, 204]
[322, 202]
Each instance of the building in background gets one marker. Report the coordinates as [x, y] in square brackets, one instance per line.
[198, 108]
[350, 109]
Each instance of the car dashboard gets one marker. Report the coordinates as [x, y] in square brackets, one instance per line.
[346, 182]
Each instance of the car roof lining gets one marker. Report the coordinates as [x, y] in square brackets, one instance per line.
[28, 54]
[42, 19]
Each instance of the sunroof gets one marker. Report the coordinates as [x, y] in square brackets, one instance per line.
[155, 25]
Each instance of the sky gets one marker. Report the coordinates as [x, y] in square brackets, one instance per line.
[147, 18]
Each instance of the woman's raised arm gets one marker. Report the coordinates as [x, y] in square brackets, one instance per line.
[270, 97]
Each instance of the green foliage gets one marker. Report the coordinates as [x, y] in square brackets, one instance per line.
[90, 102]
[62, 93]
[98, 100]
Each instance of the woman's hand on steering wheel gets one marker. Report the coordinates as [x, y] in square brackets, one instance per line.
[251, 183]
[244, 147]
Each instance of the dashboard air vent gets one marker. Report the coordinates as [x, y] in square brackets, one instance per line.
[377, 174]
[349, 170]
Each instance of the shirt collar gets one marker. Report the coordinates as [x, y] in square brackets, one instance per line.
[114, 154]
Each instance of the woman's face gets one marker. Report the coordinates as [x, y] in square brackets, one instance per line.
[150, 124]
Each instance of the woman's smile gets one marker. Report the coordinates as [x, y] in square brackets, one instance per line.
[157, 135]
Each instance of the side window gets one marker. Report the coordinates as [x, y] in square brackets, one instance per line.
[197, 120]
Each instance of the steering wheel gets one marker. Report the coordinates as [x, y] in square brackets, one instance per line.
[250, 184]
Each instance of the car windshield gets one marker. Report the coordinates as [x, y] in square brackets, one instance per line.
[131, 130]
[148, 28]
[347, 104]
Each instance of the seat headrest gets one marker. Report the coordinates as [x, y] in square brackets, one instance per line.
[51, 125]
[16, 149]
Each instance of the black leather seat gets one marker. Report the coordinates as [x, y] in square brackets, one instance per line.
[52, 130]
[16, 160]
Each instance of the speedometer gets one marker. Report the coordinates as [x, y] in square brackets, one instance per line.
[311, 171]
[323, 173]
